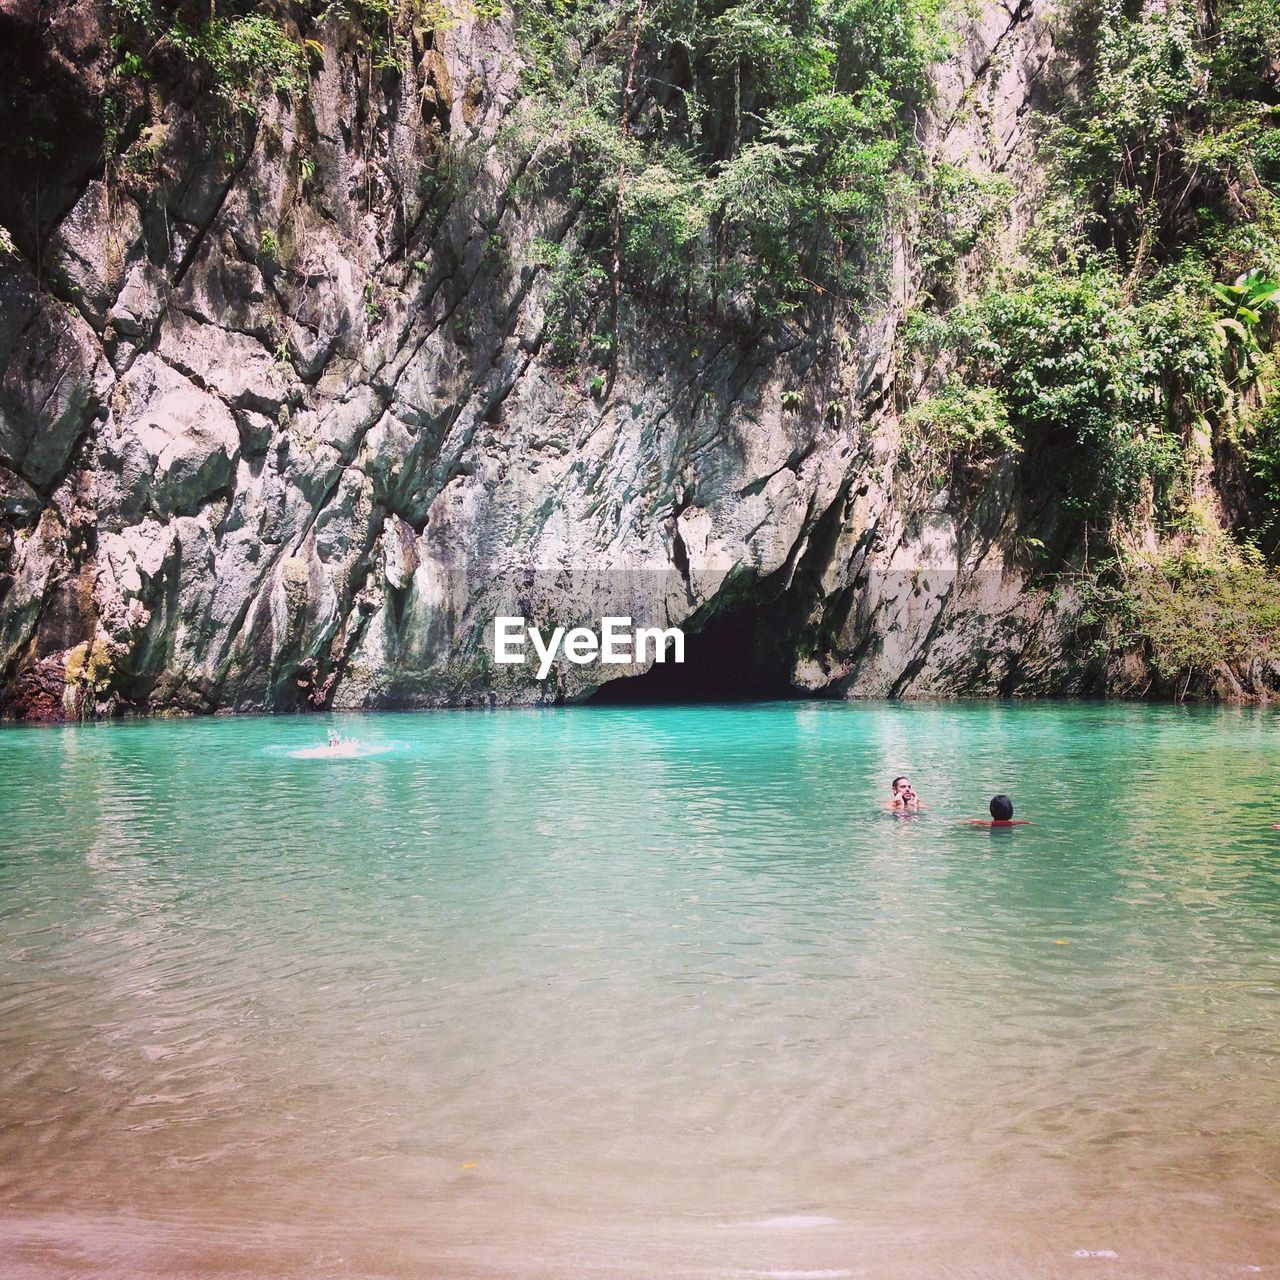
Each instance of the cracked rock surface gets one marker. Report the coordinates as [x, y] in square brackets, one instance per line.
[279, 428]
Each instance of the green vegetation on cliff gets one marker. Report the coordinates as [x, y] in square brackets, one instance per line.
[1191, 615]
[736, 160]
[741, 162]
[1136, 326]
[1128, 348]
[240, 55]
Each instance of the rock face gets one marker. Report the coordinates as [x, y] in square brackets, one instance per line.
[279, 427]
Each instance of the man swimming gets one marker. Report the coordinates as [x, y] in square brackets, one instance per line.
[1001, 810]
[904, 799]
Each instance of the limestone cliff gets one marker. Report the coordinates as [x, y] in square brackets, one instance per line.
[279, 426]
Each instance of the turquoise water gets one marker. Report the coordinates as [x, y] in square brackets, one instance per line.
[642, 993]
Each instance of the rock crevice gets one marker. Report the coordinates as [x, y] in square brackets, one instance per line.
[283, 431]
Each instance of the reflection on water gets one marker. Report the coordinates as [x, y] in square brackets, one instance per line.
[640, 993]
[341, 749]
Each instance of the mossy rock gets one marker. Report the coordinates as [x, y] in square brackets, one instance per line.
[90, 663]
[88, 671]
[296, 582]
[77, 659]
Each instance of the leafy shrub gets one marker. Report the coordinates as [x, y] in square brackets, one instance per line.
[957, 423]
[1190, 613]
[1246, 307]
[1084, 371]
[572, 298]
[1259, 443]
[242, 57]
[958, 208]
[1172, 106]
[246, 57]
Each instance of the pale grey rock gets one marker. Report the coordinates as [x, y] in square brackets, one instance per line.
[257, 431]
[400, 553]
[53, 383]
[343, 423]
[173, 445]
[93, 247]
[38, 558]
[223, 290]
[321, 443]
[236, 368]
[139, 303]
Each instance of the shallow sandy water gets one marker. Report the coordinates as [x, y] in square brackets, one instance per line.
[631, 993]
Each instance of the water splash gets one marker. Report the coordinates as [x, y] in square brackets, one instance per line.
[348, 749]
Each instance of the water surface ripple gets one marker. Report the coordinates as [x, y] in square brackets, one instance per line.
[650, 992]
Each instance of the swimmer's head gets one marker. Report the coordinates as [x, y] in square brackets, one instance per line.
[897, 780]
[1001, 808]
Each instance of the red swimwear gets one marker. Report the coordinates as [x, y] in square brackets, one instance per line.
[999, 822]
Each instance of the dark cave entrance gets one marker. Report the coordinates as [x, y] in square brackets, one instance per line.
[740, 654]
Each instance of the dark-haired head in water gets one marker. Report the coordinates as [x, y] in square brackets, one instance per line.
[1001, 808]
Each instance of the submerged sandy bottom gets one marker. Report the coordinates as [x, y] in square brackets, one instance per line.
[498, 1244]
[634, 994]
